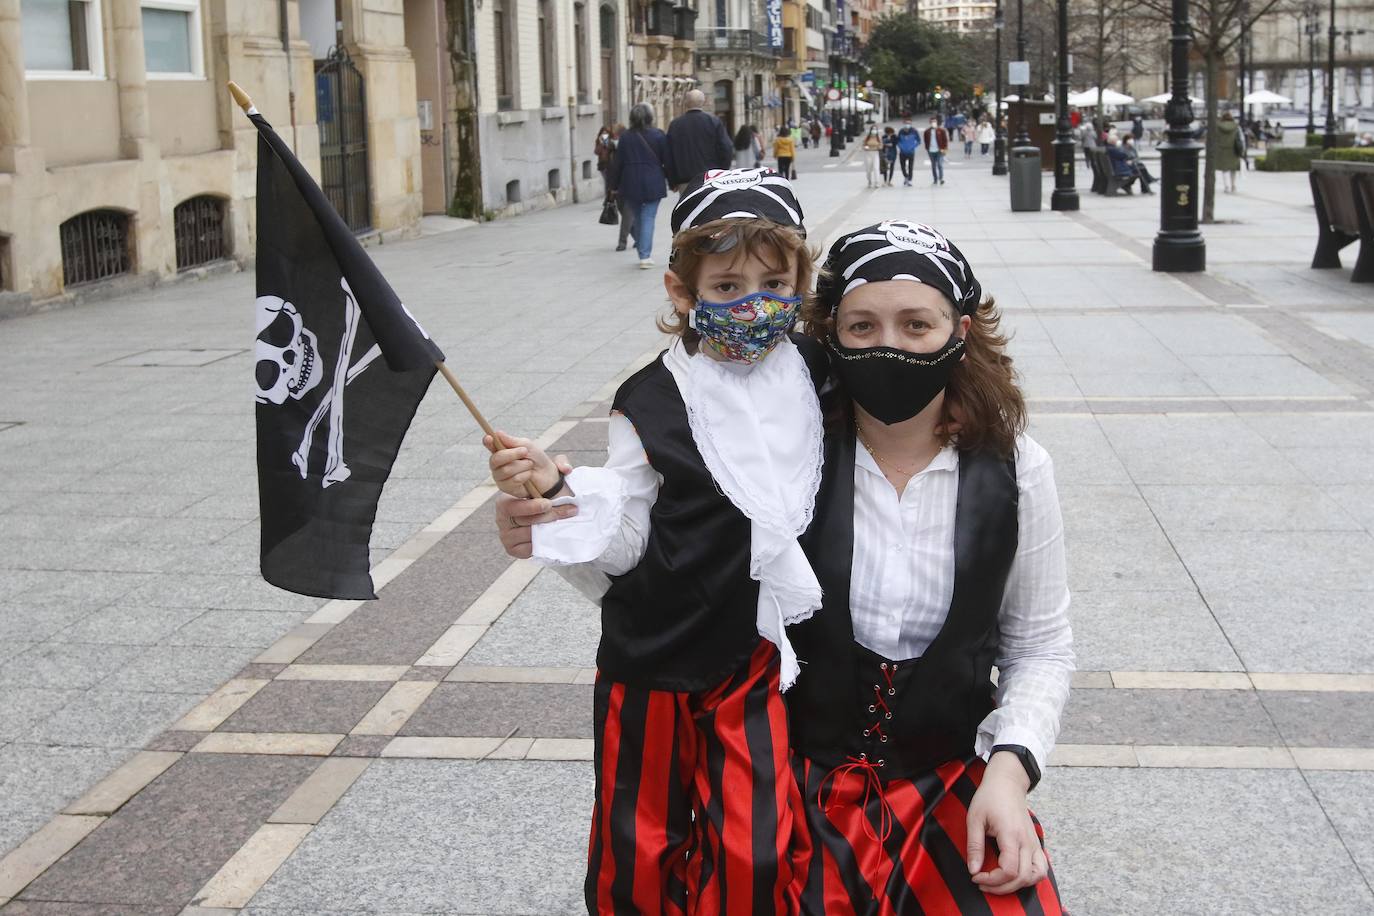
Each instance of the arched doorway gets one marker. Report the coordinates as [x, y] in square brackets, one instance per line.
[725, 104]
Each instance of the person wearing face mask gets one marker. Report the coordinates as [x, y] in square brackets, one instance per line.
[938, 543]
[715, 456]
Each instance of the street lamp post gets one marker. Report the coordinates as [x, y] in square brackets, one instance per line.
[1329, 137]
[1312, 28]
[1179, 246]
[1022, 133]
[999, 143]
[1065, 196]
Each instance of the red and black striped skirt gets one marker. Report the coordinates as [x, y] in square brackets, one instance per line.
[920, 868]
[695, 799]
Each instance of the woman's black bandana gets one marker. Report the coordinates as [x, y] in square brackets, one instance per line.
[898, 250]
[758, 193]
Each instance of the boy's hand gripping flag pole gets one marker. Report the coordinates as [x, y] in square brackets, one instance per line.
[330, 422]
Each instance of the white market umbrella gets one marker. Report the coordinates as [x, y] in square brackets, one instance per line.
[1265, 97]
[847, 104]
[1088, 97]
[1164, 97]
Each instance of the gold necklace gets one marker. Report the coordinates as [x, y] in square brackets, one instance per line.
[879, 458]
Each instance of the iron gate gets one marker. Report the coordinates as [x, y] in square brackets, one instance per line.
[341, 111]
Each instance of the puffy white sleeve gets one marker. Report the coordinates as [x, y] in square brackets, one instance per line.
[609, 534]
[1035, 654]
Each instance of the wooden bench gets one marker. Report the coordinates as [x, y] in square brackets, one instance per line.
[1343, 196]
[1105, 180]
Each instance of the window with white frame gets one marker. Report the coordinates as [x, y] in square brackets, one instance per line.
[171, 39]
[61, 38]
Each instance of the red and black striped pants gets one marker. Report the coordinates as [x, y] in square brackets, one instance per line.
[920, 868]
[694, 798]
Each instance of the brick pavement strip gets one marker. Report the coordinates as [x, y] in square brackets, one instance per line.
[376, 667]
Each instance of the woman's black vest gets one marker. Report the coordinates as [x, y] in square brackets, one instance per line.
[936, 701]
[685, 618]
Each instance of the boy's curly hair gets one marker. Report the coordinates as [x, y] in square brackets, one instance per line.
[771, 243]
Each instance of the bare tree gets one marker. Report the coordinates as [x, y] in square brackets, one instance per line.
[1217, 26]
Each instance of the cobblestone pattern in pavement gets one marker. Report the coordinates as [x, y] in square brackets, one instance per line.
[428, 753]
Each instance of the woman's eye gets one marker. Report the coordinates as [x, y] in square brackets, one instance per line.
[859, 327]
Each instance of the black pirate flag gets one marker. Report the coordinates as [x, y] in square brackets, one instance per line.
[340, 368]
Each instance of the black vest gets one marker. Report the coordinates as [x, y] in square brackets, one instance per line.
[685, 618]
[930, 706]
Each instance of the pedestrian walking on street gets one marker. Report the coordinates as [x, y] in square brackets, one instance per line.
[895, 710]
[816, 133]
[697, 143]
[936, 142]
[744, 147]
[797, 136]
[889, 161]
[986, 136]
[908, 140]
[688, 539]
[785, 150]
[873, 151]
[604, 149]
[968, 133]
[627, 217]
[1230, 150]
[637, 175]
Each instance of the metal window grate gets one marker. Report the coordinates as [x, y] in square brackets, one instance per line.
[95, 246]
[341, 111]
[199, 226]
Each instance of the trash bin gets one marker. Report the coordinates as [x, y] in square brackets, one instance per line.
[1025, 178]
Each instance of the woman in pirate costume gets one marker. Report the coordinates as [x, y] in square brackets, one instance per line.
[715, 456]
[939, 545]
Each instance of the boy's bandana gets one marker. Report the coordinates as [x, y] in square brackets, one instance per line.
[898, 250]
[758, 193]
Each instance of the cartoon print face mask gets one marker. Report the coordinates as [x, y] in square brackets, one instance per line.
[745, 330]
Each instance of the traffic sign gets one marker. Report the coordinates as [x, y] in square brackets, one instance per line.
[833, 95]
[868, 84]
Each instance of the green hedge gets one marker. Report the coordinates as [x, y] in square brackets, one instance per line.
[1288, 159]
[1350, 154]
[1342, 139]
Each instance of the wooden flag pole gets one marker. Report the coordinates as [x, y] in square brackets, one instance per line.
[530, 489]
[245, 102]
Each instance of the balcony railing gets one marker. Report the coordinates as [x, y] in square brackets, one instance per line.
[743, 40]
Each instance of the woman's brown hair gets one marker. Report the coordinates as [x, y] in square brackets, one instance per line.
[984, 409]
[770, 242]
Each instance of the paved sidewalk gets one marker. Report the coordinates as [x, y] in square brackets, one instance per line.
[174, 734]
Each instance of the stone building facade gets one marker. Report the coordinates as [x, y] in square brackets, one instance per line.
[122, 157]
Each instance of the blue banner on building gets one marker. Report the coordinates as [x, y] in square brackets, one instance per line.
[774, 8]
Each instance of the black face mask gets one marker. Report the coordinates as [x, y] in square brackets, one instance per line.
[895, 385]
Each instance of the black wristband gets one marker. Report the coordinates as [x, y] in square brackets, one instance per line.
[1027, 759]
[552, 491]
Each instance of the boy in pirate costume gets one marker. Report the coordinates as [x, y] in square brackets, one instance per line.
[939, 545]
[688, 538]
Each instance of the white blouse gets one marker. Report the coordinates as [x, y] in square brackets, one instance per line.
[903, 567]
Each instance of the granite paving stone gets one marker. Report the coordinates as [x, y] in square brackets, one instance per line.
[1223, 561]
[109, 718]
[1348, 800]
[1322, 719]
[30, 621]
[1132, 560]
[492, 710]
[168, 840]
[1139, 842]
[250, 629]
[458, 835]
[1089, 508]
[1180, 449]
[550, 624]
[179, 669]
[415, 610]
[1295, 628]
[1219, 507]
[127, 625]
[320, 707]
[23, 707]
[59, 665]
[37, 781]
[1356, 499]
[1148, 631]
[67, 908]
[1229, 718]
